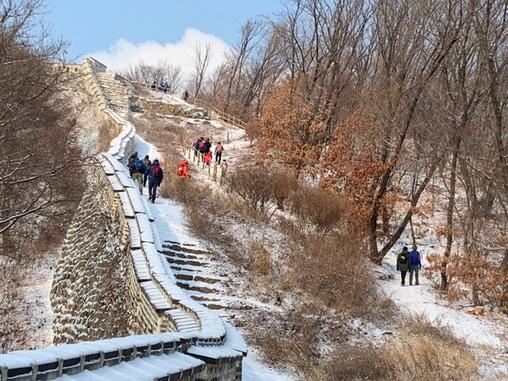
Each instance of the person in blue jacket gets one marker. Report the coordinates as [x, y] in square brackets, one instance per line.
[154, 180]
[415, 264]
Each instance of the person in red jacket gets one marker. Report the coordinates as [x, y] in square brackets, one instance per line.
[183, 170]
[207, 158]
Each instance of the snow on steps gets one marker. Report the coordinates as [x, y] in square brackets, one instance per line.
[200, 332]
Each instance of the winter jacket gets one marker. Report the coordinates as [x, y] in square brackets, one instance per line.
[219, 149]
[403, 261]
[208, 145]
[141, 170]
[208, 158]
[183, 170]
[157, 179]
[414, 258]
[147, 163]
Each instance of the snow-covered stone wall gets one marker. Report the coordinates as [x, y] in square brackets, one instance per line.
[89, 296]
[111, 280]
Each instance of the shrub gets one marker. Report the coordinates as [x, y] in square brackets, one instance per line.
[281, 183]
[319, 207]
[252, 184]
[334, 271]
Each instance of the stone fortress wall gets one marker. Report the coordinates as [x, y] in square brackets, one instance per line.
[117, 306]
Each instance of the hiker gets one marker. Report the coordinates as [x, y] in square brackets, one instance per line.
[202, 146]
[197, 145]
[138, 171]
[147, 163]
[185, 95]
[154, 180]
[415, 264]
[403, 264]
[218, 152]
[183, 170]
[208, 145]
[132, 160]
[207, 158]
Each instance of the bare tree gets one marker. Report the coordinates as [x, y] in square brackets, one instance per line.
[202, 56]
[163, 73]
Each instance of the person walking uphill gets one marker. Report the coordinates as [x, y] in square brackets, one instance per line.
[137, 173]
[183, 170]
[403, 264]
[147, 163]
[415, 264]
[154, 180]
[132, 160]
[218, 152]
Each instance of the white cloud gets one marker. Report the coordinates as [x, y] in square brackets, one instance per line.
[125, 53]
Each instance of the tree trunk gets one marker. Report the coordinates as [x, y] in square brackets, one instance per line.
[449, 215]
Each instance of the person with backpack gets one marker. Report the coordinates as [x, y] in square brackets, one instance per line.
[154, 180]
[138, 171]
[403, 264]
[197, 145]
[183, 170]
[202, 146]
[132, 160]
[147, 163]
[218, 152]
[208, 145]
[415, 264]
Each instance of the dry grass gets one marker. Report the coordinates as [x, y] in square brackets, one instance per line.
[260, 260]
[427, 353]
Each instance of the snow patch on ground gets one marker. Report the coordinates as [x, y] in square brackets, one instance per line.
[254, 370]
[422, 300]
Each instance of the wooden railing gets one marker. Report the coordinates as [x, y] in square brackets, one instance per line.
[213, 169]
[228, 118]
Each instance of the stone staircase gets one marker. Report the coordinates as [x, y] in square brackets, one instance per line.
[189, 265]
[115, 91]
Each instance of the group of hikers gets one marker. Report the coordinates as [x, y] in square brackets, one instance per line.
[409, 261]
[204, 147]
[162, 86]
[143, 171]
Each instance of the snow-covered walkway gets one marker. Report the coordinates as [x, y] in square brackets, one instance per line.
[171, 226]
[484, 334]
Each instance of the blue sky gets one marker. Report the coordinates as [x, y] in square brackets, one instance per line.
[96, 25]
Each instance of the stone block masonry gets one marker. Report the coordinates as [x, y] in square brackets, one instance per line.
[90, 297]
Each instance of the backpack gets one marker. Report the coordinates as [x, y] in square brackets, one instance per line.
[414, 258]
[138, 165]
[156, 169]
